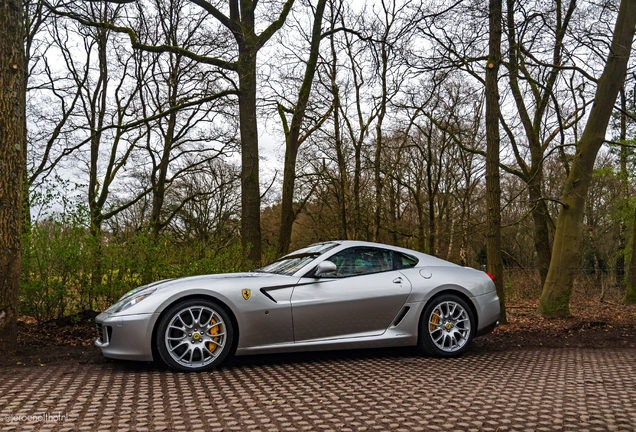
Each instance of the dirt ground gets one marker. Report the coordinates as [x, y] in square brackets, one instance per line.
[592, 325]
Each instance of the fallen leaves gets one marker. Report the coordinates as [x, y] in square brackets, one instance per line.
[593, 324]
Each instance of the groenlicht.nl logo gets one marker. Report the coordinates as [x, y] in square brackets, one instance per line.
[47, 417]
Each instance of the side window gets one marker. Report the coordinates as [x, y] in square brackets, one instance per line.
[403, 261]
[361, 260]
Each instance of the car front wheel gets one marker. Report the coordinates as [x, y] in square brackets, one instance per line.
[447, 326]
[194, 335]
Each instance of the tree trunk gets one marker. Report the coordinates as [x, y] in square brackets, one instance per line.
[421, 235]
[379, 183]
[533, 127]
[288, 215]
[12, 147]
[449, 254]
[590, 229]
[624, 195]
[97, 267]
[555, 299]
[493, 188]
[26, 199]
[432, 228]
[463, 249]
[630, 292]
[250, 188]
[342, 164]
[392, 214]
[159, 178]
[97, 197]
[292, 136]
[541, 236]
[356, 192]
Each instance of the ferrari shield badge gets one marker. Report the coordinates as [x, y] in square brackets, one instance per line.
[246, 294]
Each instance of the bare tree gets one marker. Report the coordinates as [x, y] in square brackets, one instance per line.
[183, 101]
[105, 112]
[522, 37]
[206, 204]
[51, 99]
[293, 138]
[555, 298]
[239, 21]
[364, 113]
[388, 57]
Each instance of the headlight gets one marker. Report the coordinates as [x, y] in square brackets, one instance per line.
[134, 297]
[132, 292]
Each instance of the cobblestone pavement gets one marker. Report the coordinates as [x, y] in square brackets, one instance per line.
[549, 389]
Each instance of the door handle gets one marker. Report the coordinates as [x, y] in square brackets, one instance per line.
[397, 280]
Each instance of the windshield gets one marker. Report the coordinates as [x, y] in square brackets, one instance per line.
[290, 264]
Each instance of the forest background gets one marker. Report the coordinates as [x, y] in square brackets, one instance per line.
[172, 138]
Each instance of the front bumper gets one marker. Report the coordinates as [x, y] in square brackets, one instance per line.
[126, 337]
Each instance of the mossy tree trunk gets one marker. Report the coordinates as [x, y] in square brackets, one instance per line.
[12, 148]
[555, 299]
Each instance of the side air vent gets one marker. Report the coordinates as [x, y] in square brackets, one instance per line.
[264, 291]
[401, 315]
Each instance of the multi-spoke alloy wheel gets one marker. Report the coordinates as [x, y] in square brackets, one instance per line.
[194, 335]
[447, 326]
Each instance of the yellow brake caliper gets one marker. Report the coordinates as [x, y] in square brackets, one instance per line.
[435, 319]
[213, 331]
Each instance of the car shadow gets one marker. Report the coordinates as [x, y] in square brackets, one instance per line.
[300, 358]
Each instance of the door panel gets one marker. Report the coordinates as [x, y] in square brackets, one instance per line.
[363, 305]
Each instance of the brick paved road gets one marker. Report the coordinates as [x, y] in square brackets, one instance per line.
[559, 389]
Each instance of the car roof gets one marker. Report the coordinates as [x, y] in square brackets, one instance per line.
[367, 243]
[424, 259]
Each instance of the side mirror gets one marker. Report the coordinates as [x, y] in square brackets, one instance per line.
[324, 268]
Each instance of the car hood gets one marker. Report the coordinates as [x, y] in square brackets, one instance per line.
[204, 280]
[223, 284]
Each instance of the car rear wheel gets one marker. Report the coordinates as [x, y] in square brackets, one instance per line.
[447, 326]
[194, 335]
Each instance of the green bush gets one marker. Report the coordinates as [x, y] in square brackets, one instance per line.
[54, 270]
[66, 270]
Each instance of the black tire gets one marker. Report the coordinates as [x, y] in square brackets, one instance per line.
[202, 346]
[438, 342]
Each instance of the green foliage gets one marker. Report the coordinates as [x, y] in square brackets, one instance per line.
[60, 257]
[54, 272]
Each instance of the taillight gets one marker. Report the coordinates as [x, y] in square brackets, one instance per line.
[491, 277]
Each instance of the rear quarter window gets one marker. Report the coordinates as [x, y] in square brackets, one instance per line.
[404, 261]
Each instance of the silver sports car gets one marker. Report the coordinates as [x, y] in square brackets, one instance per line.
[331, 295]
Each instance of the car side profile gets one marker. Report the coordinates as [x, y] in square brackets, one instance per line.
[327, 296]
